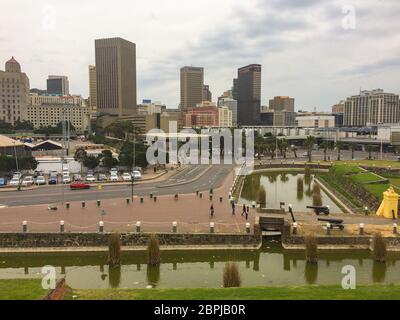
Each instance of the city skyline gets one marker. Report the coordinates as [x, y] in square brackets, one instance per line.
[310, 57]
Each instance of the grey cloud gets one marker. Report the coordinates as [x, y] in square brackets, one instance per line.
[373, 67]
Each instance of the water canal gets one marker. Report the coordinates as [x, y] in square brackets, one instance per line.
[269, 266]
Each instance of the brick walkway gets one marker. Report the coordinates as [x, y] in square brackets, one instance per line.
[190, 212]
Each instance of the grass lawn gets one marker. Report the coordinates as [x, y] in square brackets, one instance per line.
[371, 163]
[22, 289]
[379, 292]
[364, 177]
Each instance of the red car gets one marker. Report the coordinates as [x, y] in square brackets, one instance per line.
[79, 186]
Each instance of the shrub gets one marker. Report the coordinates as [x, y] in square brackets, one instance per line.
[114, 249]
[379, 248]
[231, 275]
[153, 251]
[317, 200]
[316, 189]
[262, 196]
[311, 248]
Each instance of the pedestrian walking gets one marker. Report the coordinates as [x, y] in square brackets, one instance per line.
[233, 207]
[212, 211]
[247, 215]
[244, 210]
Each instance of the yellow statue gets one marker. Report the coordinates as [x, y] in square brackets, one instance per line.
[389, 204]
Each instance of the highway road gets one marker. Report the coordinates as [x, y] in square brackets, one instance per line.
[182, 182]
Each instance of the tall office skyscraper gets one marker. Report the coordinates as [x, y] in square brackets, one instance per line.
[92, 89]
[249, 94]
[207, 95]
[58, 85]
[115, 76]
[14, 91]
[192, 82]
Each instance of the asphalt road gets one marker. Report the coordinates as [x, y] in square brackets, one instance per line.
[181, 183]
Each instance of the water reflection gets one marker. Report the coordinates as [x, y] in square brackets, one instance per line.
[153, 275]
[114, 276]
[269, 266]
[295, 187]
[378, 272]
[311, 273]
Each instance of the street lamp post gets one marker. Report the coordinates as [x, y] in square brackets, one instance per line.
[133, 161]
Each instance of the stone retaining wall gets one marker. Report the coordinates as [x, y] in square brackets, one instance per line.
[79, 240]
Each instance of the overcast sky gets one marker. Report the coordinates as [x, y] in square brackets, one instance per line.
[311, 50]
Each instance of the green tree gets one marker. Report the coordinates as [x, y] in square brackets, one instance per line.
[353, 147]
[339, 146]
[107, 159]
[80, 156]
[283, 146]
[91, 162]
[325, 147]
[309, 144]
[271, 147]
[370, 149]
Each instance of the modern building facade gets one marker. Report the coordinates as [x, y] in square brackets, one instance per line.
[192, 83]
[207, 95]
[49, 110]
[282, 103]
[249, 94]
[232, 106]
[14, 91]
[202, 117]
[58, 85]
[224, 117]
[115, 76]
[315, 121]
[92, 89]
[371, 108]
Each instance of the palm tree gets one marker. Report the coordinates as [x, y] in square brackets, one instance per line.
[353, 147]
[284, 146]
[325, 147]
[271, 147]
[339, 145]
[309, 144]
[80, 156]
[370, 148]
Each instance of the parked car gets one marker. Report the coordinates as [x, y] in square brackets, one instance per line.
[17, 174]
[14, 182]
[53, 180]
[3, 182]
[114, 177]
[136, 175]
[90, 178]
[27, 181]
[77, 177]
[102, 177]
[79, 186]
[66, 178]
[305, 154]
[40, 180]
[126, 176]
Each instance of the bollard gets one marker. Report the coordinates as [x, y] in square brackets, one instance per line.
[362, 226]
[328, 229]
[151, 195]
[174, 227]
[155, 199]
[128, 200]
[61, 226]
[212, 227]
[394, 228]
[211, 197]
[24, 226]
[101, 226]
[197, 192]
[253, 204]
[295, 226]
[141, 200]
[176, 197]
[98, 203]
[221, 199]
[211, 191]
[201, 195]
[83, 204]
[138, 225]
[229, 195]
[366, 211]
[67, 205]
[247, 227]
